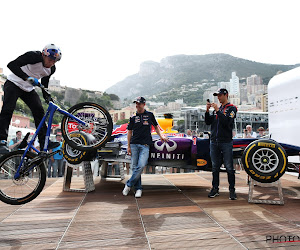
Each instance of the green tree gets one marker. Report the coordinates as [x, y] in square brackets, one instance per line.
[120, 122]
[114, 97]
[22, 108]
[83, 97]
[180, 122]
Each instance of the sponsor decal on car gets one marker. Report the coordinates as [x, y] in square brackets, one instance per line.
[201, 162]
[171, 150]
[268, 145]
[170, 145]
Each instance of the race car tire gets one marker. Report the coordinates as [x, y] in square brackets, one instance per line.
[72, 155]
[265, 160]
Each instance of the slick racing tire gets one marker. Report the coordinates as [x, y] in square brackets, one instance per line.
[98, 130]
[265, 161]
[72, 155]
[28, 186]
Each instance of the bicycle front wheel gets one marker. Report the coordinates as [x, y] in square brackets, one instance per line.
[28, 186]
[98, 131]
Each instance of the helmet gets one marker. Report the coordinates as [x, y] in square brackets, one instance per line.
[52, 51]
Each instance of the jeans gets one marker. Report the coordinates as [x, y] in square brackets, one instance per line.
[49, 168]
[58, 166]
[139, 159]
[221, 152]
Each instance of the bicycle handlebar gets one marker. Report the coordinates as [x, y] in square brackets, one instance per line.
[46, 94]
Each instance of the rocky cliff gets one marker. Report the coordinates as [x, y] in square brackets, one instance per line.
[174, 71]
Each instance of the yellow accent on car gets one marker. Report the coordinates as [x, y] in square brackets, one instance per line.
[246, 158]
[201, 162]
[284, 160]
[166, 124]
[265, 144]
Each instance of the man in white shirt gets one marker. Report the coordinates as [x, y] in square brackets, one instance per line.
[26, 70]
[248, 133]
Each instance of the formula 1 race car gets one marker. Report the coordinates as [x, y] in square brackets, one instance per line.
[265, 160]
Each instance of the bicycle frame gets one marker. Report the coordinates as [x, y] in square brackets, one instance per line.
[52, 108]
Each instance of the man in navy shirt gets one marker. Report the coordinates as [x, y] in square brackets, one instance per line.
[139, 141]
[221, 121]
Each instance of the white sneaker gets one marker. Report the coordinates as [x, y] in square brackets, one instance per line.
[138, 193]
[126, 190]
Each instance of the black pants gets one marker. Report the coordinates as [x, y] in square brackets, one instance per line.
[11, 94]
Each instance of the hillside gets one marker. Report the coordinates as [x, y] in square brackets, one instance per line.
[174, 71]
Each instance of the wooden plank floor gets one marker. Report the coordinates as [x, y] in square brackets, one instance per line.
[174, 213]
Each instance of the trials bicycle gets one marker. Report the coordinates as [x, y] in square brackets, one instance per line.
[85, 128]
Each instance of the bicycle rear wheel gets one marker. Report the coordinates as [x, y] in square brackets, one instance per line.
[98, 131]
[28, 186]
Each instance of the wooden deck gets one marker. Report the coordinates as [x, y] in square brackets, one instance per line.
[174, 213]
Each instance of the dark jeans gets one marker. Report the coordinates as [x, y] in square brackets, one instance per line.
[32, 100]
[221, 152]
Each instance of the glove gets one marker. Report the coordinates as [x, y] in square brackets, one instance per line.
[46, 96]
[33, 81]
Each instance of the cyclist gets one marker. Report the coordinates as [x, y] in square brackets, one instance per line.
[26, 70]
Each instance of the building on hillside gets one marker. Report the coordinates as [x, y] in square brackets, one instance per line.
[155, 104]
[20, 121]
[234, 85]
[233, 99]
[180, 101]
[54, 85]
[251, 99]
[224, 85]
[252, 84]
[94, 94]
[124, 113]
[265, 103]
[259, 101]
[54, 82]
[208, 94]
[243, 93]
[173, 106]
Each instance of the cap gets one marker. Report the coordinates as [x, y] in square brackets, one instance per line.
[221, 91]
[261, 129]
[140, 99]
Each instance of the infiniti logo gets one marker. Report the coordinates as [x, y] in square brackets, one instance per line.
[166, 144]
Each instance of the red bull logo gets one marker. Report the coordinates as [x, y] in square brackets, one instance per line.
[120, 130]
[153, 129]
